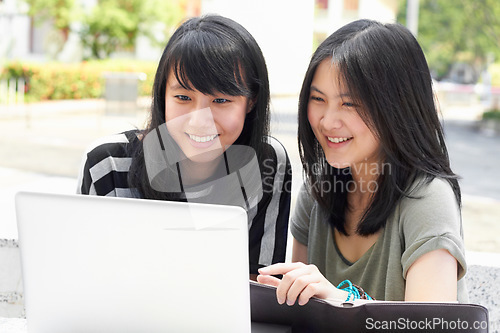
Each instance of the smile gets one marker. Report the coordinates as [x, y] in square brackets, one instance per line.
[206, 138]
[338, 140]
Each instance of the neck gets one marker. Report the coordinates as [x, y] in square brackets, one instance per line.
[193, 173]
[365, 177]
[361, 192]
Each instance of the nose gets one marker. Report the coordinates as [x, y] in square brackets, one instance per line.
[201, 118]
[332, 120]
[202, 101]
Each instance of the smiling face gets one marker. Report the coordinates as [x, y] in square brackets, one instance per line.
[203, 126]
[345, 138]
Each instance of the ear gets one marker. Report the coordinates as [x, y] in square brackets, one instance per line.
[251, 103]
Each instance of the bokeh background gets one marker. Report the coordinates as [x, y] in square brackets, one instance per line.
[72, 71]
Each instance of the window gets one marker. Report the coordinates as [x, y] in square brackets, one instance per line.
[351, 5]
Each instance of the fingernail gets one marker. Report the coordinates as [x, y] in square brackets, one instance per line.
[289, 303]
[281, 301]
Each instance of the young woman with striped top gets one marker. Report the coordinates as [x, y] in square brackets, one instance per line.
[207, 139]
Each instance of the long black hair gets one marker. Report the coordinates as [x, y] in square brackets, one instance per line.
[210, 54]
[385, 71]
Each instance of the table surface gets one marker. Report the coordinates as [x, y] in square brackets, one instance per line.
[13, 325]
[18, 325]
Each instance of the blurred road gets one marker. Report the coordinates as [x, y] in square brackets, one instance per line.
[475, 156]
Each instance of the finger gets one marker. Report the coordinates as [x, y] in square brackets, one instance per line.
[283, 289]
[309, 291]
[269, 280]
[301, 285]
[281, 268]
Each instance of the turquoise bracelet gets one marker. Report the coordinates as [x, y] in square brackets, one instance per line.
[353, 291]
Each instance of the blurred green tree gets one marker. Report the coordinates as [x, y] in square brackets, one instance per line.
[115, 24]
[59, 12]
[466, 31]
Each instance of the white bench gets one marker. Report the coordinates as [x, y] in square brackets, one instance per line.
[483, 277]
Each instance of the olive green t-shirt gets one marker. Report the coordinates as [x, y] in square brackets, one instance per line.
[417, 226]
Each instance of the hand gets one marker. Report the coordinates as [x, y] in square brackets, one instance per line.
[299, 281]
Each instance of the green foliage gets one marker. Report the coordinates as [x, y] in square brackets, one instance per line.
[492, 114]
[16, 70]
[60, 12]
[112, 25]
[457, 31]
[54, 81]
[495, 74]
[115, 24]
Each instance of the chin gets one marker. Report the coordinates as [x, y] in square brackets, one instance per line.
[205, 157]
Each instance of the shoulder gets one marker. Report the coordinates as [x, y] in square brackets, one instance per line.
[431, 211]
[106, 164]
[429, 221]
[118, 139]
[108, 154]
[306, 215]
[275, 149]
[275, 165]
[305, 198]
[275, 144]
[305, 206]
[116, 145]
[436, 193]
[436, 186]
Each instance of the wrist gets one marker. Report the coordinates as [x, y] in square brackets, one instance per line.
[337, 294]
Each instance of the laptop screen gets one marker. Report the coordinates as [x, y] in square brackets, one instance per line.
[98, 264]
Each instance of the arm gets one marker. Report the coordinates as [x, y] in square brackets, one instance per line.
[300, 282]
[299, 251]
[432, 277]
[107, 155]
[433, 259]
[269, 227]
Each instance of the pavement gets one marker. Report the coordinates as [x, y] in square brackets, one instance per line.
[42, 144]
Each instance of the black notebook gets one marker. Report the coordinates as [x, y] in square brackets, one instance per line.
[366, 316]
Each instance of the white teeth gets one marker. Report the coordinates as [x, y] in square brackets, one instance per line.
[337, 140]
[202, 138]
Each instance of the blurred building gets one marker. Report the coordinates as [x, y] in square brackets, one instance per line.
[16, 36]
[332, 14]
[288, 31]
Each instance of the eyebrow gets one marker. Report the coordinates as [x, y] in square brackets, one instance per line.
[341, 95]
[314, 88]
[176, 86]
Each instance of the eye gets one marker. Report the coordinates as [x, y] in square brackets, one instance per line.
[221, 100]
[348, 104]
[182, 97]
[317, 99]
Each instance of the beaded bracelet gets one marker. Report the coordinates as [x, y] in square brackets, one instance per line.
[353, 290]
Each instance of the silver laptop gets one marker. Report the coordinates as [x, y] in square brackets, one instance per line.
[98, 264]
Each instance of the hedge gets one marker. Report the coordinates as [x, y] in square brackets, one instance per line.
[492, 114]
[56, 81]
[495, 74]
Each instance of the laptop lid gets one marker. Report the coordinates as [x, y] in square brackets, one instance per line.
[99, 264]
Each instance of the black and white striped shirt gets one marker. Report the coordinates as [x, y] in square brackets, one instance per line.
[107, 162]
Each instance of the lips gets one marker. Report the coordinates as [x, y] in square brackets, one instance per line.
[206, 138]
[338, 139]
[203, 141]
